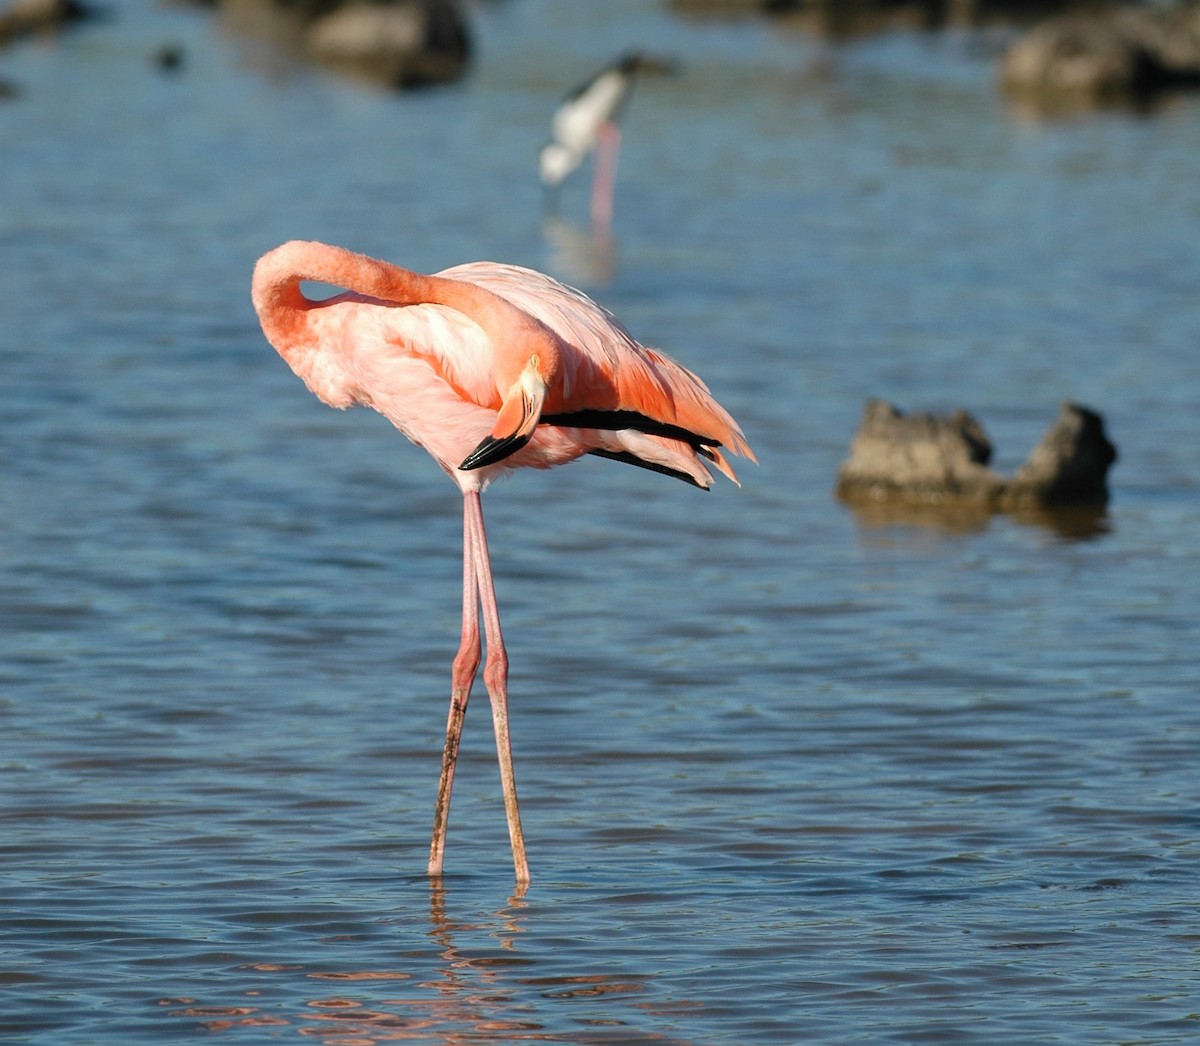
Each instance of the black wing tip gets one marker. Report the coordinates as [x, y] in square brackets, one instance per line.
[492, 450]
[629, 458]
[613, 420]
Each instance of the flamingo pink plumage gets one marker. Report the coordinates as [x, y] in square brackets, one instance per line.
[490, 368]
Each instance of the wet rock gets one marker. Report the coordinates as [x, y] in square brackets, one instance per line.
[852, 17]
[169, 58]
[25, 17]
[918, 457]
[397, 43]
[1070, 465]
[404, 44]
[1106, 56]
[942, 461]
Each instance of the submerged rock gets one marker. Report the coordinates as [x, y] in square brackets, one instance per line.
[850, 17]
[941, 461]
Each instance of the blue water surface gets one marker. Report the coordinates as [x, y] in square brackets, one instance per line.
[790, 772]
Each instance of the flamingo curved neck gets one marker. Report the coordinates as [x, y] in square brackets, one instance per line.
[283, 307]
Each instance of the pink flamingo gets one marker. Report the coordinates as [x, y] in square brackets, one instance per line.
[490, 368]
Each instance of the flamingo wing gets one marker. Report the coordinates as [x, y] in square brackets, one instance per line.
[625, 401]
[427, 368]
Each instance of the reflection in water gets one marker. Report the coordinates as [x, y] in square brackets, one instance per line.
[1036, 108]
[1077, 521]
[965, 517]
[579, 256]
[476, 995]
[953, 517]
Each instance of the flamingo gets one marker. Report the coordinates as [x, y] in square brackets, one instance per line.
[490, 368]
[586, 122]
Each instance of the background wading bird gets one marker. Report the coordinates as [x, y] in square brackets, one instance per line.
[585, 122]
[490, 368]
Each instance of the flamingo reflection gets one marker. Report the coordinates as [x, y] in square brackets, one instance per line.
[479, 993]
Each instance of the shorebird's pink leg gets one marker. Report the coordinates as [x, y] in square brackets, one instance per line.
[462, 675]
[605, 178]
[495, 676]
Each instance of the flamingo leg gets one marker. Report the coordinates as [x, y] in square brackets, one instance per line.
[462, 675]
[604, 180]
[495, 676]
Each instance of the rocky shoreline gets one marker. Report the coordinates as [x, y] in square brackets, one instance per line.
[1061, 55]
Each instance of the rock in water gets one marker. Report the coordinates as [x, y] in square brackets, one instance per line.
[942, 460]
[1101, 56]
[402, 43]
[1069, 467]
[925, 458]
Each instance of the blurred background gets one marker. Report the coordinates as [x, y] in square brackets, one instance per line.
[791, 770]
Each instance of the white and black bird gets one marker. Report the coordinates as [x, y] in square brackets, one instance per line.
[585, 123]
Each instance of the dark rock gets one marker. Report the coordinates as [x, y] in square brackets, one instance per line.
[1069, 467]
[1107, 56]
[25, 17]
[397, 43]
[169, 58]
[851, 17]
[409, 43]
[941, 461]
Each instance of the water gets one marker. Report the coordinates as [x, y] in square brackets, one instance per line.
[788, 773]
